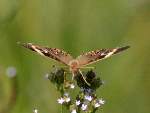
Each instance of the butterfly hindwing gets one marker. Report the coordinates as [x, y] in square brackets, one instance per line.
[53, 53]
[96, 55]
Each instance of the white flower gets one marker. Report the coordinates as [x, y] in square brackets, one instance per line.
[101, 101]
[84, 107]
[67, 99]
[97, 105]
[89, 98]
[61, 100]
[66, 94]
[74, 111]
[72, 86]
[46, 76]
[35, 111]
[78, 102]
[89, 90]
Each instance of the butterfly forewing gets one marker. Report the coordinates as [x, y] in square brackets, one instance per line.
[96, 55]
[53, 53]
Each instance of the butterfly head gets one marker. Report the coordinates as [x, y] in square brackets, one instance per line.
[74, 65]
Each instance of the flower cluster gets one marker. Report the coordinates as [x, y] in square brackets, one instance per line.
[86, 100]
[65, 99]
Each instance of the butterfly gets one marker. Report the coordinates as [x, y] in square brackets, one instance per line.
[74, 64]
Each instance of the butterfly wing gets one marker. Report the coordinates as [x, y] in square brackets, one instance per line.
[96, 55]
[54, 53]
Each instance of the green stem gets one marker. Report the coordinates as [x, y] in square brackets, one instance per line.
[61, 108]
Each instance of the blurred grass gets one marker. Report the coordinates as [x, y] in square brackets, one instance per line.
[75, 26]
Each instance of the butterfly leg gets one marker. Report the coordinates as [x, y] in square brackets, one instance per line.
[59, 66]
[84, 78]
[87, 67]
[65, 78]
[63, 67]
[73, 75]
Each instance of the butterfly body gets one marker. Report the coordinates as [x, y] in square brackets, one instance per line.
[74, 66]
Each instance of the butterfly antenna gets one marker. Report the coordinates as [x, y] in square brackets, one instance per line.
[84, 78]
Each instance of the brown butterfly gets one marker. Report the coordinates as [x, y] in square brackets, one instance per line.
[74, 64]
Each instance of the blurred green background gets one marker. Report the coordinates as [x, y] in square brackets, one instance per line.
[76, 26]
